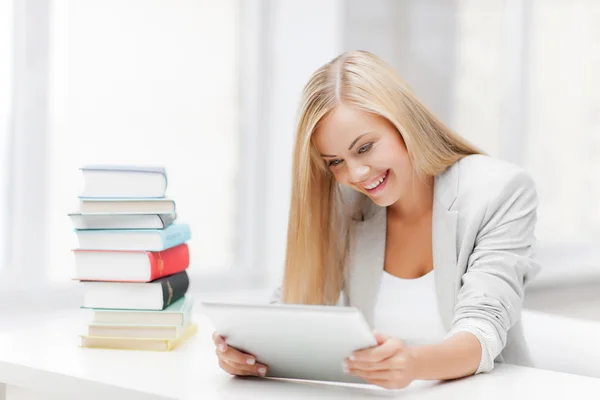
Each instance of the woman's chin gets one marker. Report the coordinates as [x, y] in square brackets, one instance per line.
[383, 201]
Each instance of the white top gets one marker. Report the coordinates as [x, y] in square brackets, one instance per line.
[40, 353]
[407, 309]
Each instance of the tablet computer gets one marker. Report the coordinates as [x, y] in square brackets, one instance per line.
[294, 341]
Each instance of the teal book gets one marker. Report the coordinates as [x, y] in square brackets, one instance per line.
[133, 239]
[177, 314]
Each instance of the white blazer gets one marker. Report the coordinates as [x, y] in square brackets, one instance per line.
[484, 216]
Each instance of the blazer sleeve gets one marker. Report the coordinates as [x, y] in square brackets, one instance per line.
[490, 299]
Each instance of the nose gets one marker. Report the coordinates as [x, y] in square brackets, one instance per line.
[359, 173]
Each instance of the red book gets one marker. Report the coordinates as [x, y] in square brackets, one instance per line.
[130, 266]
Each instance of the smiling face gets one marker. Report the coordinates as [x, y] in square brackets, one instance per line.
[365, 152]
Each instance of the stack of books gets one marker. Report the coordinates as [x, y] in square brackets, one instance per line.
[132, 258]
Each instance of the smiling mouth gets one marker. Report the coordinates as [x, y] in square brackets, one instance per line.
[373, 186]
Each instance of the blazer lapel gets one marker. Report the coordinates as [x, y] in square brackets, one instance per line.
[366, 260]
[444, 224]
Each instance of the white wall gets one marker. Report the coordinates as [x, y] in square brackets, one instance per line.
[416, 37]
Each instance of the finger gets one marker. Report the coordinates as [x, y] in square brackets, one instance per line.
[245, 369]
[381, 375]
[256, 369]
[234, 369]
[376, 354]
[219, 342]
[233, 355]
[380, 337]
[387, 384]
[394, 362]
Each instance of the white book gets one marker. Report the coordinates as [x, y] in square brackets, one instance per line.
[122, 221]
[135, 331]
[123, 181]
[126, 206]
[128, 266]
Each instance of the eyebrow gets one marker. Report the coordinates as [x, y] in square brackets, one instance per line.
[351, 144]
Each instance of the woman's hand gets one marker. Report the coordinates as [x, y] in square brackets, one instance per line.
[391, 364]
[234, 361]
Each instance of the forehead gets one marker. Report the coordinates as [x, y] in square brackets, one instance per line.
[342, 125]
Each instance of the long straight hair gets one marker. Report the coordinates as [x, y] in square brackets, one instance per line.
[318, 225]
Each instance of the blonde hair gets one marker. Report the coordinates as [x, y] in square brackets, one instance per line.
[317, 238]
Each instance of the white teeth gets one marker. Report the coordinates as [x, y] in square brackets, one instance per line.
[374, 185]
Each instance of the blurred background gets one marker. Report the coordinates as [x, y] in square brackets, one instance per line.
[210, 89]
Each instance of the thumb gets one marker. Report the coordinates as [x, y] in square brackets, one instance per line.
[380, 337]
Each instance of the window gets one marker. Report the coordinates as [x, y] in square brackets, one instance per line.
[563, 139]
[526, 92]
[478, 87]
[142, 82]
[6, 57]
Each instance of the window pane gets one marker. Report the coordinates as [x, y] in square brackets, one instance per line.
[147, 82]
[564, 130]
[561, 66]
[6, 57]
[478, 88]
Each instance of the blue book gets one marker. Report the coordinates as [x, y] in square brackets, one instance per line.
[133, 239]
[123, 181]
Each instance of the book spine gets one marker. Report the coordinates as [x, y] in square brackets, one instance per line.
[162, 221]
[175, 235]
[174, 287]
[167, 219]
[154, 267]
[169, 262]
[164, 174]
[187, 311]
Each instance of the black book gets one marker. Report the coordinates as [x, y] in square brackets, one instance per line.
[155, 295]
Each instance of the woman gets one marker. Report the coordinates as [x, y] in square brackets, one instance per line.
[435, 246]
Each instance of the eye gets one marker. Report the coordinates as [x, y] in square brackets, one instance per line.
[334, 163]
[365, 148]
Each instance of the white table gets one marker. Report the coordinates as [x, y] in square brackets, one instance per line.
[41, 359]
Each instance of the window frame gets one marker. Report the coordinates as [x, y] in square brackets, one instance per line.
[5, 125]
[26, 197]
[248, 269]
